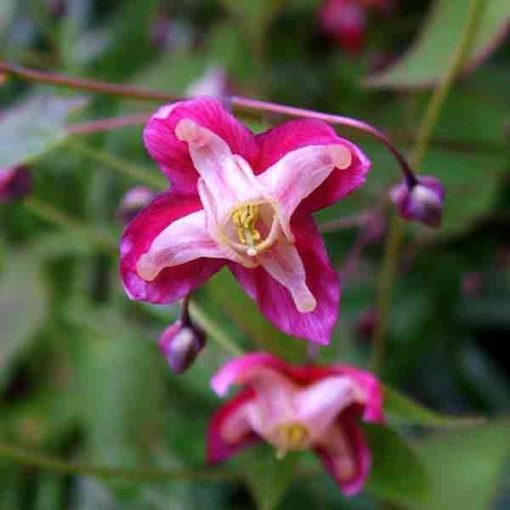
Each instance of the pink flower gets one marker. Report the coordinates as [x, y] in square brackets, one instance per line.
[298, 408]
[244, 201]
[345, 20]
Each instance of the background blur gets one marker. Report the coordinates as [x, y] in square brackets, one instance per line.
[81, 376]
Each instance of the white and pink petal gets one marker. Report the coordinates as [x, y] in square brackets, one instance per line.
[276, 302]
[229, 430]
[290, 136]
[170, 283]
[345, 455]
[172, 154]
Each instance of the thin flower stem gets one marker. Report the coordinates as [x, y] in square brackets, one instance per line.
[61, 219]
[86, 84]
[354, 221]
[109, 124]
[155, 180]
[389, 266]
[339, 120]
[52, 463]
[243, 103]
[214, 331]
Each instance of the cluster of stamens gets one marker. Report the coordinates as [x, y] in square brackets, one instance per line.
[245, 218]
[291, 436]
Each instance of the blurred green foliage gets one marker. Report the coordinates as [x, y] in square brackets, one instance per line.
[81, 374]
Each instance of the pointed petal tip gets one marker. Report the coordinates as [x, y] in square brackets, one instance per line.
[306, 303]
[146, 268]
[341, 156]
[189, 131]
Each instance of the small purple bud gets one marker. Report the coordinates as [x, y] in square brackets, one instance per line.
[15, 183]
[422, 202]
[181, 343]
[133, 202]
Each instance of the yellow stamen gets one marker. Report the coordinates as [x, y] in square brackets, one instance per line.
[291, 436]
[245, 219]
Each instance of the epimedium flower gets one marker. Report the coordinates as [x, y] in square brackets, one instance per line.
[420, 201]
[244, 201]
[345, 20]
[297, 408]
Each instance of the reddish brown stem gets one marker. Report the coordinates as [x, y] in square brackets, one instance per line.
[241, 102]
[100, 125]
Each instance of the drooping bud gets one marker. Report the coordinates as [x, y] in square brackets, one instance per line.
[421, 201]
[133, 202]
[180, 343]
[15, 183]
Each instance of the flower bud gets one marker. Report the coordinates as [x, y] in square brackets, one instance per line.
[180, 343]
[133, 202]
[421, 202]
[344, 21]
[15, 183]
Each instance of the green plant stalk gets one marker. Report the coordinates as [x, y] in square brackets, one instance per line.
[102, 240]
[52, 463]
[154, 180]
[213, 330]
[389, 266]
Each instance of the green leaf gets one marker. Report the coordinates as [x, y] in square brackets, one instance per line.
[402, 409]
[23, 306]
[34, 127]
[120, 386]
[427, 60]
[464, 467]
[253, 16]
[397, 474]
[267, 477]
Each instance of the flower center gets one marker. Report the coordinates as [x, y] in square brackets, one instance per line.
[291, 437]
[251, 228]
[245, 219]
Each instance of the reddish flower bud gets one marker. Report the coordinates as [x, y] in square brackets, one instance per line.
[15, 183]
[180, 343]
[344, 21]
[133, 202]
[422, 201]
